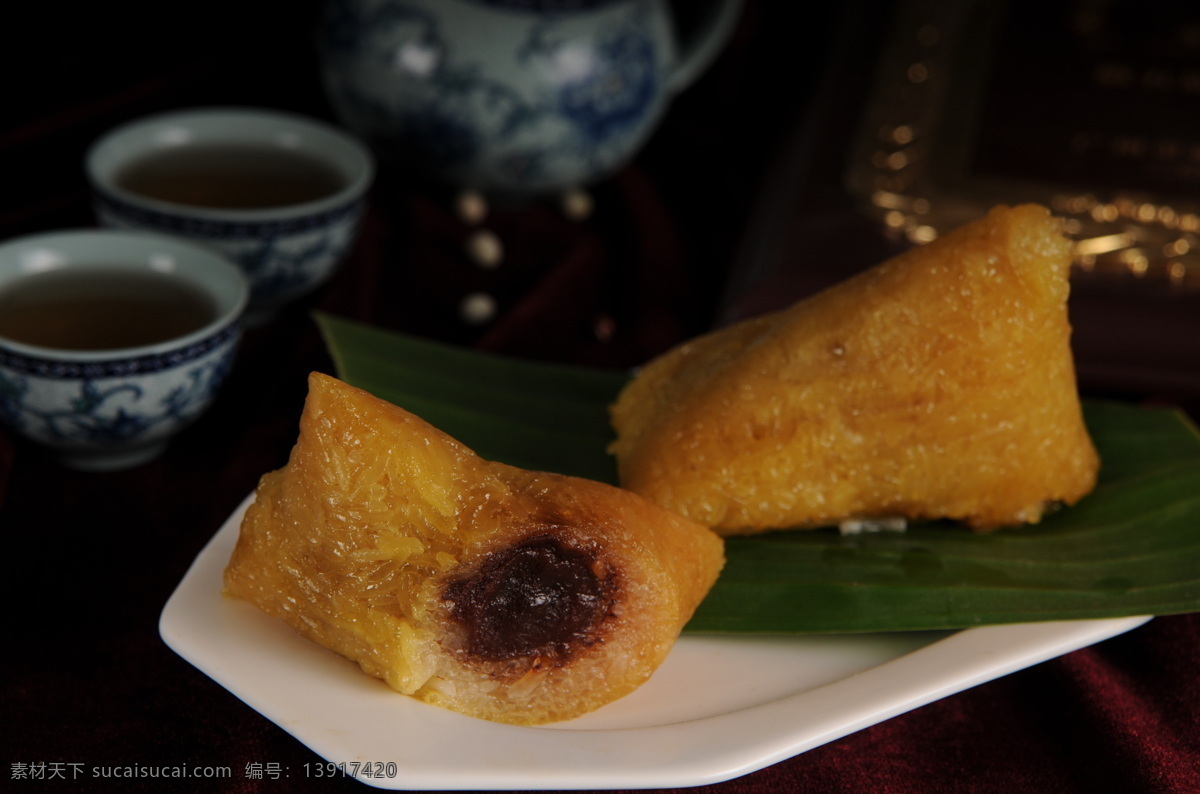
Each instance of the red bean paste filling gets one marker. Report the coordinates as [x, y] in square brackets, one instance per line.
[537, 598]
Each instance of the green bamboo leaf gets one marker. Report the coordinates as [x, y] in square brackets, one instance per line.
[1131, 547]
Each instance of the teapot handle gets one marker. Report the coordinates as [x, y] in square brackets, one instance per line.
[705, 44]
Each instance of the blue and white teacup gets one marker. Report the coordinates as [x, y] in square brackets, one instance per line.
[111, 342]
[279, 194]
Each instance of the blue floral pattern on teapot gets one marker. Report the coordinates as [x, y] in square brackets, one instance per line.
[505, 97]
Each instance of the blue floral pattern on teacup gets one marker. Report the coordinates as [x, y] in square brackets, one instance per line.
[119, 402]
[282, 258]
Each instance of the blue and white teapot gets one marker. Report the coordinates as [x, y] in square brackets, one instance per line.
[510, 97]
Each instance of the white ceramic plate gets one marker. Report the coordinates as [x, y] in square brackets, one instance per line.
[718, 708]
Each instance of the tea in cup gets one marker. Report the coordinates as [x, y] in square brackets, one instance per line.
[111, 342]
[279, 194]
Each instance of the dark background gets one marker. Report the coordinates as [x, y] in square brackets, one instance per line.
[80, 68]
[744, 174]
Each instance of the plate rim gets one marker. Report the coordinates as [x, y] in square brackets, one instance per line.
[704, 754]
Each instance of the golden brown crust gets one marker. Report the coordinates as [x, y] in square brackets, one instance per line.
[368, 540]
[937, 384]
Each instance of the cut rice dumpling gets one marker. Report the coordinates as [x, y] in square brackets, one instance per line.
[511, 595]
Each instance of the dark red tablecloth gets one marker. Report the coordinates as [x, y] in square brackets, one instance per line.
[90, 559]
